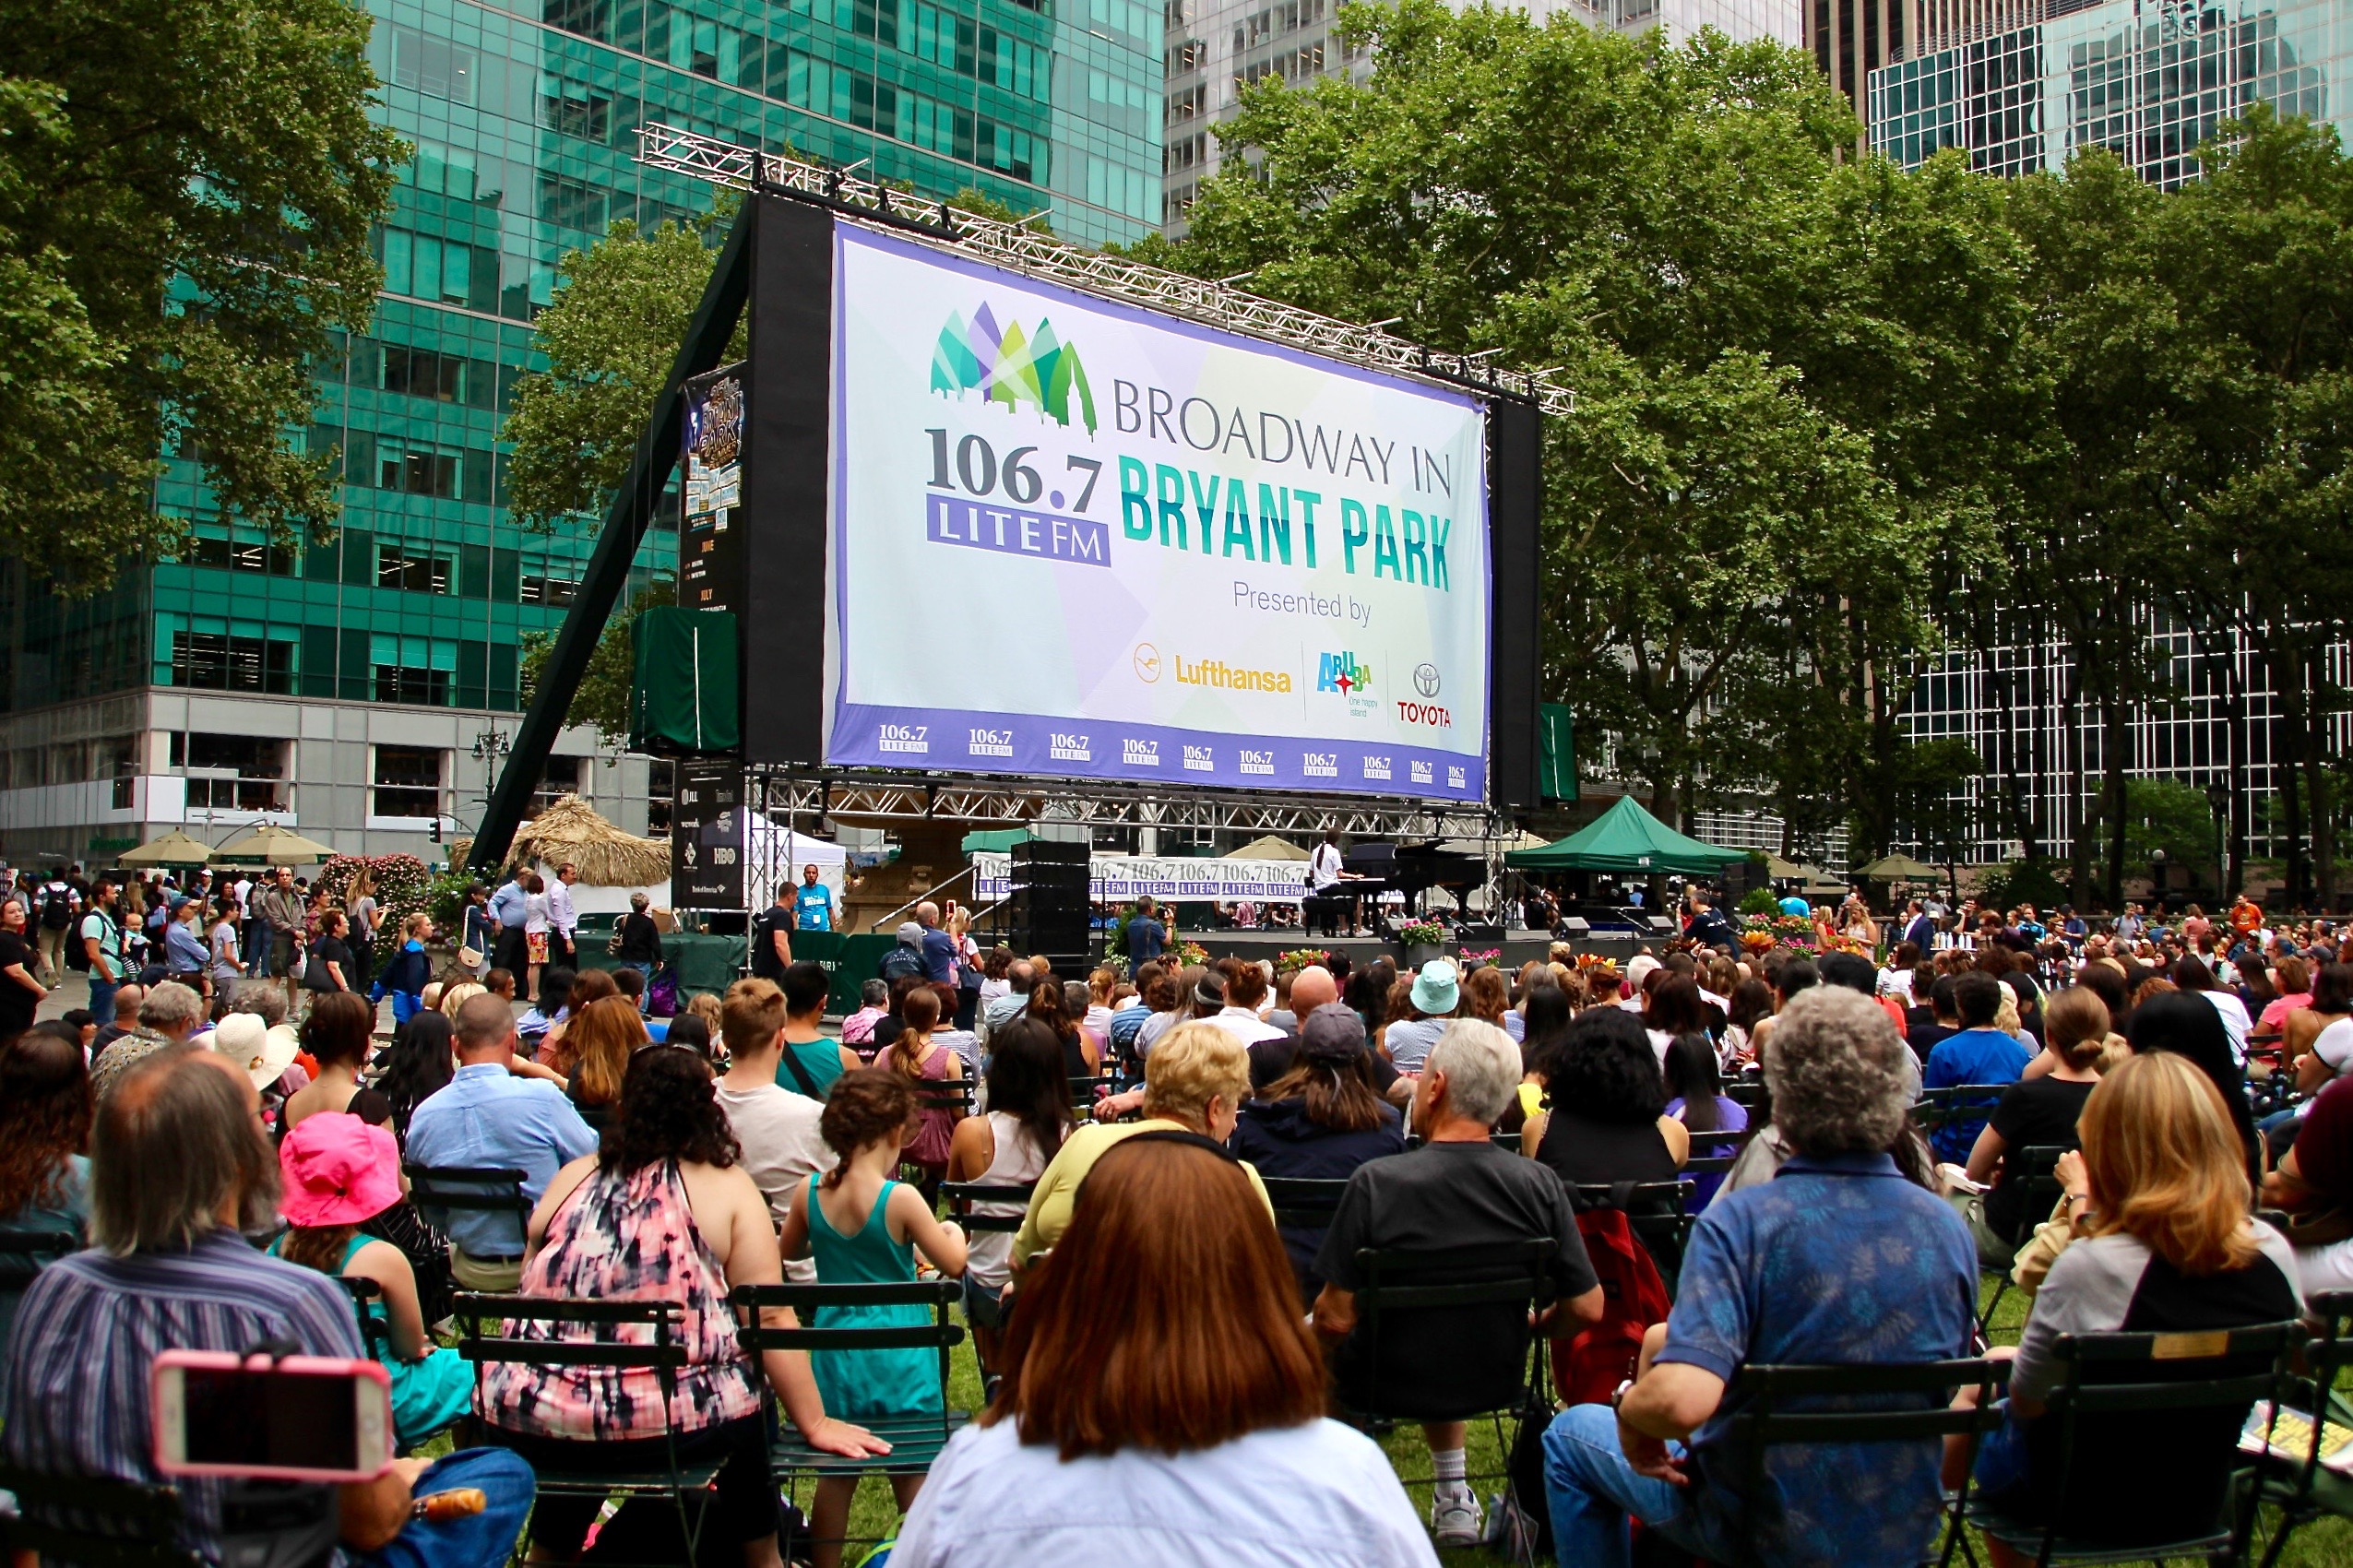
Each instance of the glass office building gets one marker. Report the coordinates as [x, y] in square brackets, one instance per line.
[2148, 80]
[362, 690]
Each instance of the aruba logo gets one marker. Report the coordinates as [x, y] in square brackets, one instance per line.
[1341, 672]
[1008, 365]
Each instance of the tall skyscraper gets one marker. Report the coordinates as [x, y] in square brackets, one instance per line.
[362, 690]
[1850, 39]
[1216, 47]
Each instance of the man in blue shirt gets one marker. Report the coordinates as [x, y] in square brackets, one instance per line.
[813, 905]
[486, 1118]
[181, 1161]
[1837, 1259]
[937, 947]
[508, 907]
[1979, 1054]
[1147, 937]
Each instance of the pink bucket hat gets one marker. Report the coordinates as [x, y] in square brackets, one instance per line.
[338, 1170]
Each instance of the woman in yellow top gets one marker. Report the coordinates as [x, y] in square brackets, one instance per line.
[1195, 1081]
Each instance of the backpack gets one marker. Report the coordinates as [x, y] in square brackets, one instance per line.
[1588, 1366]
[900, 961]
[57, 912]
[78, 952]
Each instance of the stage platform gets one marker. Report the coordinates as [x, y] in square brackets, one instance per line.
[1518, 946]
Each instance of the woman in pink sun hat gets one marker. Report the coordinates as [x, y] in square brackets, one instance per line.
[339, 1173]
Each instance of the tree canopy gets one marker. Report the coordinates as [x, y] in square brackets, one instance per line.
[185, 192]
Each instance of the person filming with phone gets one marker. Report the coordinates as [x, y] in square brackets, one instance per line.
[179, 1169]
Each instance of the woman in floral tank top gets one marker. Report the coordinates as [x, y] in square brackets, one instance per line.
[661, 1213]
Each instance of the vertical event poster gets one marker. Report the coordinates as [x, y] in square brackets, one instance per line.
[1073, 539]
[710, 538]
[707, 837]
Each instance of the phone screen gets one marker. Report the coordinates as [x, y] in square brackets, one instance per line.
[271, 1419]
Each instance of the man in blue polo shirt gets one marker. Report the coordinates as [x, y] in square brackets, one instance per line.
[1979, 1054]
[1837, 1259]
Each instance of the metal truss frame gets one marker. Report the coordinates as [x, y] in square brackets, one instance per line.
[1022, 802]
[1020, 249]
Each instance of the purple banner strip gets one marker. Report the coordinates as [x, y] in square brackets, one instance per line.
[951, 740]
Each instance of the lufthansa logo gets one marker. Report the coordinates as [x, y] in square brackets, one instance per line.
[1147, 663]
[1425, 680]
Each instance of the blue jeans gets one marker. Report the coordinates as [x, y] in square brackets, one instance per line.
[101, 999]
[1592, 1489]
[480, 1540]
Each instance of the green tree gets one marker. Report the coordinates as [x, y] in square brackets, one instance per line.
[1795, 374]
[186, 193]
[602, 700]
[611, 337]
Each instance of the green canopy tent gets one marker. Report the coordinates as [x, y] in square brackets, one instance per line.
[994, 841]
[1627, 839]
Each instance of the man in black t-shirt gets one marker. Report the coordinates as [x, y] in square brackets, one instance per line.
[772, 937]
[1458, 1191]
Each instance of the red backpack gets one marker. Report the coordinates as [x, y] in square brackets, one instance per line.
[1588, 1366]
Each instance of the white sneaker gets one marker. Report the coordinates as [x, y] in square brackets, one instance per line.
[1454, 1520]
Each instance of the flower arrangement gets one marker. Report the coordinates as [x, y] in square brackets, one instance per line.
[1421, 934]
[1187, 953]
[1764, 932]
[1481, 954]
[1299, 959]
[403, 885]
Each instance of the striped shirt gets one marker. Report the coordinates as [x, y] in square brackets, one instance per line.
[74, 1383]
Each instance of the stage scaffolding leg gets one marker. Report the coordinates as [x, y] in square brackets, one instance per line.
[626, 523]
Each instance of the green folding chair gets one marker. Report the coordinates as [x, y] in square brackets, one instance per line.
[57, 1520]
[915, 1439]
[687, 1486]
[2115, 1384]
[2305, 1489]
[1860, 1403]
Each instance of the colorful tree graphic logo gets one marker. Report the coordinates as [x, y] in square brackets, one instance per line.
[1009, 366]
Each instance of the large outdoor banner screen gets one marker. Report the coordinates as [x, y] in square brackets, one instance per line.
[1078, 540]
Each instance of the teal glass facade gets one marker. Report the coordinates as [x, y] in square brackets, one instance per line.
[2149, 82]
[524, 117]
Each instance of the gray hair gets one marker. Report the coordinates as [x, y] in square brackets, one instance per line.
[260, 998]
[1482, 1068]
[174, 1141]
[1831, 1064]
[172, 1008]
[640, 902]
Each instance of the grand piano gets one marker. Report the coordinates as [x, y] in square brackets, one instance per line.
[1408, 869]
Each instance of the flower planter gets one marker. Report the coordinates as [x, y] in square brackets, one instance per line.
[1421, 953]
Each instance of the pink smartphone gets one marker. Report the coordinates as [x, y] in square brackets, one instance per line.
[302, 1419]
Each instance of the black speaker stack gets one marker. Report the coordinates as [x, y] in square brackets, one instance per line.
[1048, 908]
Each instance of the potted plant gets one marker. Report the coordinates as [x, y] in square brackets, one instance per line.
[1298, 959]
[1423, 940]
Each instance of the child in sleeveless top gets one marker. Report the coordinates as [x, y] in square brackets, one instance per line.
[863, 1227]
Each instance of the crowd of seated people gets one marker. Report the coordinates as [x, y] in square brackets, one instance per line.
[1170, 1372]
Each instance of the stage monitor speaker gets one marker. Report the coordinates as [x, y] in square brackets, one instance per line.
[1478, 933]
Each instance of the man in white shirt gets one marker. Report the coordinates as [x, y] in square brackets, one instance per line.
[777, 1129]
[561, 919]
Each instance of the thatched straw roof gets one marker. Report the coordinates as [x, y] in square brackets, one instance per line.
[571, 830]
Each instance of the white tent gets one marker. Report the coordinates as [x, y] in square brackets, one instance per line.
[774, 853]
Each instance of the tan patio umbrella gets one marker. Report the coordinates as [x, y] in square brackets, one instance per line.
[271, 845]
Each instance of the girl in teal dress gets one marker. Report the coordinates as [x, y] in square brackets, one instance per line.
[339, 1173]
[863, 1227]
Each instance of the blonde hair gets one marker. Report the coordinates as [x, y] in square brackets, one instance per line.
[458, 995]
[1189, 1066]
[2005, 1018]
[607, 1032]
[2166, 1166]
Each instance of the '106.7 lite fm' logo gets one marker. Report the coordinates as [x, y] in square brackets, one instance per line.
[1016, 502]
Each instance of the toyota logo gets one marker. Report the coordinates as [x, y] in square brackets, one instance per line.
[1147, 660]
[1425, 680]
